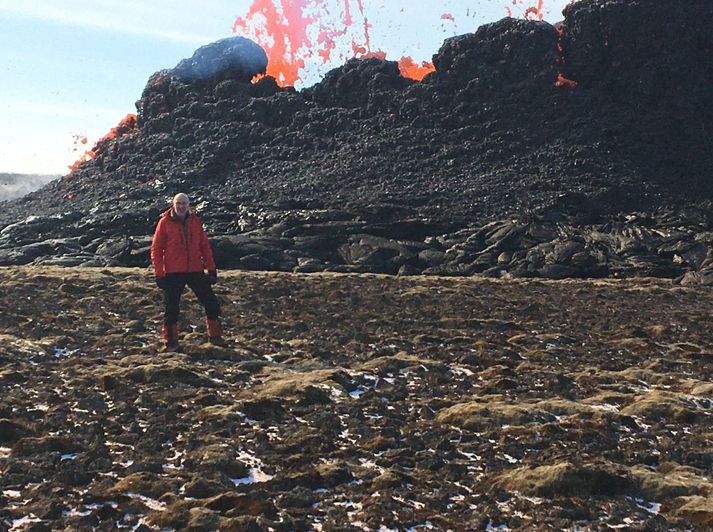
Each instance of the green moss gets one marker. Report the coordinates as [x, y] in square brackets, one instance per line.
[671, 480]
[657, 405]
[566, 480]
[479, 416]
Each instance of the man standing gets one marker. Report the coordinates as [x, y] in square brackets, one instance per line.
[181, 254]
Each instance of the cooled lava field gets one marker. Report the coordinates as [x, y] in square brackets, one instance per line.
[575, 150]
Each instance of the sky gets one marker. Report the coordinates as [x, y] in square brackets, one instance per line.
[75, 68]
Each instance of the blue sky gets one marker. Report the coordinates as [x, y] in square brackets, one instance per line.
[76, 67]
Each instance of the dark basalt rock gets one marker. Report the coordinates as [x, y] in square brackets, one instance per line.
[504, 55]
[357, 82]
[232, 58]
[490, 166]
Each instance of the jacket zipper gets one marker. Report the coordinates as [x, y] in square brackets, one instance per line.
[185, 242]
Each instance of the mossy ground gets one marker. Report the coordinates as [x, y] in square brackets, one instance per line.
[346, 402]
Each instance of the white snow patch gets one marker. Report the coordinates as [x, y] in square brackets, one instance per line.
[651, 507]
[606, 407]
[150, 503]
[255, 476]
[63, 352]
[20, 524]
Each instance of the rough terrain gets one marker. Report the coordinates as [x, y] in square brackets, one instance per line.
[355, 402]
[581, 150]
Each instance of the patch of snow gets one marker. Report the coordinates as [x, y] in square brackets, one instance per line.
[606, 407]
[471, 456]
[70, 456]
[255, 476]
[63, 352]
[533, 500]
[75, 512]
[150, 503]
[651, 507]
[247, 419]
[117, 444]
[20, 524]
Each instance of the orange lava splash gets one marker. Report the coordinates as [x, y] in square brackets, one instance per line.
[410, 69]
[535, 13]
[293, 31]
[127, 124]
[561, 80]
[564, 82]
[530, 13]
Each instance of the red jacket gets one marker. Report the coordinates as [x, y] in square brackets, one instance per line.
[180, 246]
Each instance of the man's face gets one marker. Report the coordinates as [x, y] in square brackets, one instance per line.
[180, 205]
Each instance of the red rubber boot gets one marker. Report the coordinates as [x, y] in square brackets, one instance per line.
[215, 332]
[170, 337]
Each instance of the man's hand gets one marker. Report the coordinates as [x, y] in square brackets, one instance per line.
[163, 282]
[212, 276]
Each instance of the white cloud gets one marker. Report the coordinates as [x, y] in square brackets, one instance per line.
[160, 21]
[27, 109]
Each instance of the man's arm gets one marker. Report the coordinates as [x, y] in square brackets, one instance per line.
[206, 251]
[158, 249]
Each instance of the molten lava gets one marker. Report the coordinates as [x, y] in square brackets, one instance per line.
[530, 13]
[564, 82]
[535, 13]
[410, 69]
[127, 125]
[293, 31]
[561, 80]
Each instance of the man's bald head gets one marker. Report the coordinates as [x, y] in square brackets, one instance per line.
[181, 202]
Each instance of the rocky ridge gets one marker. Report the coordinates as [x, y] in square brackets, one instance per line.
[492, 165]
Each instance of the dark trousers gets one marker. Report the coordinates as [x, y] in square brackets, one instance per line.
[198, 282]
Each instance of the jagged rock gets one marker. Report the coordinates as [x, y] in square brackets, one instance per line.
[486, 167]
[357, 83]
[508, 55]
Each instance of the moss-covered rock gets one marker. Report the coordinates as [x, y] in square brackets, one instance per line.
[480, 416]
[566, 479]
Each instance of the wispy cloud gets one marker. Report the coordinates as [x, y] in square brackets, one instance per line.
[61, 110]
[159, 22]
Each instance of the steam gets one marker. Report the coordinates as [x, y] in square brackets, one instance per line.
[17, 185]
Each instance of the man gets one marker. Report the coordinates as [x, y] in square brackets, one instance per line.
[181, 254]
